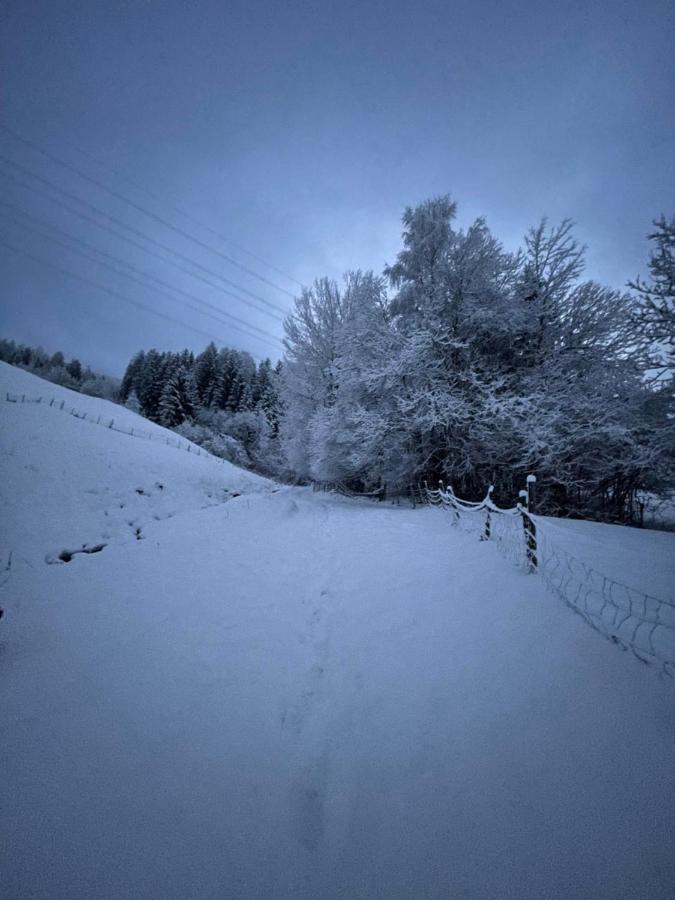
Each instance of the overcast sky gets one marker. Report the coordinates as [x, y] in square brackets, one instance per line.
[299, 132]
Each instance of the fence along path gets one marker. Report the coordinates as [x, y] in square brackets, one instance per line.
[635, 621]
[105, 422]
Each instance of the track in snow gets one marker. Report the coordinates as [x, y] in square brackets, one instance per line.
[298, 696]
[281, 694]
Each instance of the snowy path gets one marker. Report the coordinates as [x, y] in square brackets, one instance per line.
[290, 695]
[253, 692]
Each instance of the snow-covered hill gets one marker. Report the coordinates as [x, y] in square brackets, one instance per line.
[75, 482]
[285, 694]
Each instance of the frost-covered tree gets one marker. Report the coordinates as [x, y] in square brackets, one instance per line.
[308, 379]
[54, 368]
[150, 384]
[458, 312]
[220, 396]
[656, 310]
[360, 437]
[177, 400]
[132, 402]
[480, 367]
[131, 377]
[265, 393]
[206, 375]
[74, 369]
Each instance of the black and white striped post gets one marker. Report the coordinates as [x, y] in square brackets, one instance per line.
[487, 533]
[528, 498]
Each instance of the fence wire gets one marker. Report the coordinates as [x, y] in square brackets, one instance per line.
[105, 422]
[631, 619]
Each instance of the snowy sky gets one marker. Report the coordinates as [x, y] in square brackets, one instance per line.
[299, 131]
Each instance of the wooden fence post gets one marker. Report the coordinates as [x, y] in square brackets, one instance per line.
[530, 542]
[528, 496]
[488, 524]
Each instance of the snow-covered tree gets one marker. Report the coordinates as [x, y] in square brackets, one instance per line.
[483, 366]
[656, 310]
[308, 379]
[206, 375]
[177, 400]
[74, 369]
[131, 378]
[150, 384]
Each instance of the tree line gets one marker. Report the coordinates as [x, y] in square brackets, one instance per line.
[57, 369]
[475, 365]
[461, 361]
[220, 399]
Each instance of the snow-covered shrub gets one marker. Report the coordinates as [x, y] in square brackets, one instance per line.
[222, 445]
[100, 386]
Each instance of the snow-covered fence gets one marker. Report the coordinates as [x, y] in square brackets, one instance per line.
[632, 619]
[111, 424]
[512, 529]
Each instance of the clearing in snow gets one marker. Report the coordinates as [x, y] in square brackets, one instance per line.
[231, 689]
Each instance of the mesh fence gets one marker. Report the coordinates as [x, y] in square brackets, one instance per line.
[633, 620]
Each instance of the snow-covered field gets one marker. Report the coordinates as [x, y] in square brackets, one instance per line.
[285, 694]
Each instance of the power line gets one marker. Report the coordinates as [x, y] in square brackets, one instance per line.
[221, 316]
[181, 212]
[115, 294]
[133, 243]
[140, 234]
[142, 209]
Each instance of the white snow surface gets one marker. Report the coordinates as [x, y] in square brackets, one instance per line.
[285, 694]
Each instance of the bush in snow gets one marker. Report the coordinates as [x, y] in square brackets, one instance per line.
[222, 445]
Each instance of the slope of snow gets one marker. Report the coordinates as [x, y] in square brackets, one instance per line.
[17, 382]
[292, 695]
[90, 484]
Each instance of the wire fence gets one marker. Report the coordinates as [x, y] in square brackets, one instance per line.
[635, 621]
[111, 424]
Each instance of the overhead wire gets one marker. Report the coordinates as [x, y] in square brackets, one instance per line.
[133, 243]
[220, 315]
[142, 235]
[91, 283]
[137, 185]
[137, 206]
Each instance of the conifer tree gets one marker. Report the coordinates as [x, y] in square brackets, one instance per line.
[656, 310]
[177, 400]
